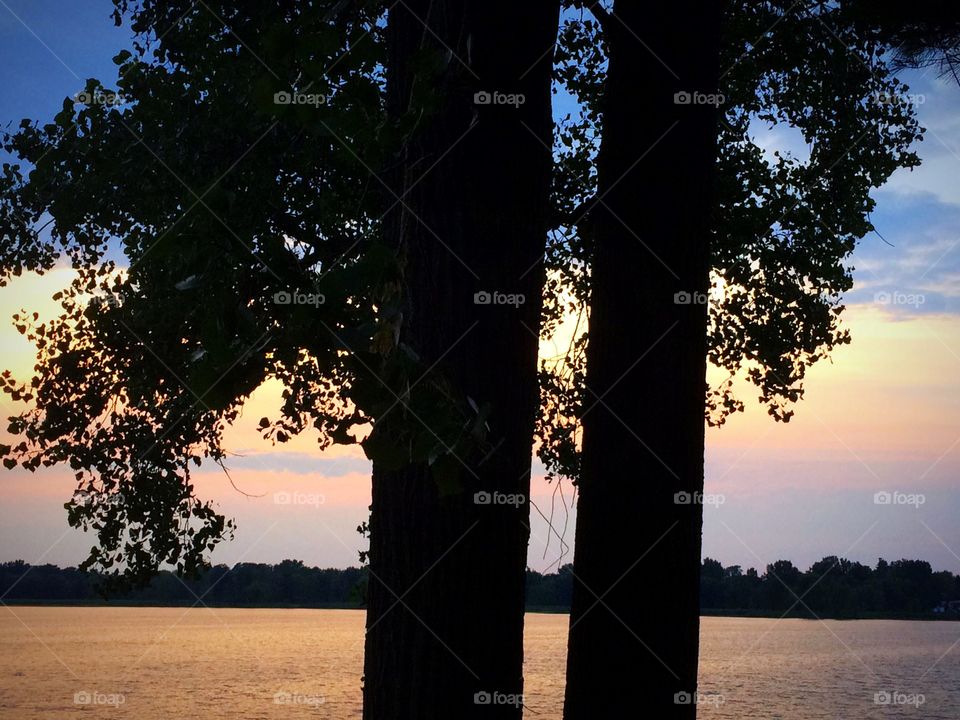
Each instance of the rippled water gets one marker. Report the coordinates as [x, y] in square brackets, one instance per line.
[153, 663]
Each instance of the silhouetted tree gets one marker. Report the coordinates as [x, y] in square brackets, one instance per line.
[446, 588]
[711, 584]
[646, 364]
[773, 272]
[300, 199]
[224, 232]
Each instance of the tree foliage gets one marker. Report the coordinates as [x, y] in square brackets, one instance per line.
[784, 225]
[923, 33]
[220, 209]
[205, 219]
[832, 587]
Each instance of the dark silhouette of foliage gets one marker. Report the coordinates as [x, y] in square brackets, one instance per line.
[784, 226]
[230, 202]
[923, 33]
[832, 587]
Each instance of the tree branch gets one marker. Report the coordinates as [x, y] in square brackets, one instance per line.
[602, 15]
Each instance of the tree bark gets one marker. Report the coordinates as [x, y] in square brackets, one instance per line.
[634, 624]
[446, 593]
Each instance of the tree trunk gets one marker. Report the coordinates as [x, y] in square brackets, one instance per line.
[474, 219]
[634, 624]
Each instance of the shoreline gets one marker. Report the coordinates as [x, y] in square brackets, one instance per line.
[535, 610]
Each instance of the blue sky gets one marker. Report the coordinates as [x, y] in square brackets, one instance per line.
[49, 49]
[883, 416]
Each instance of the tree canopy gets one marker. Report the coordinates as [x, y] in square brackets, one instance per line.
[785, 223]
[830, 587]
[221, 210]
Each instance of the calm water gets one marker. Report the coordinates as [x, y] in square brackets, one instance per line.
[153, 663]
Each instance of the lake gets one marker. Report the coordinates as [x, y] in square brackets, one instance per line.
[153, 663]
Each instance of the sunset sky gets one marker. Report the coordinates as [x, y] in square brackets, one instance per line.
[884, 415]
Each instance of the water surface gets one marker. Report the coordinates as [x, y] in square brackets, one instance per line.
[159, 663]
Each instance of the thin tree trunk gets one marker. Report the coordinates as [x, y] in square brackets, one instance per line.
[634, 622]
[475, 222]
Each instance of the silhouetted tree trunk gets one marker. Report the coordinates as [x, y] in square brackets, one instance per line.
[476, 221]
[634, 621]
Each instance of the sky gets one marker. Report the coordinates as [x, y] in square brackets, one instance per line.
[883, 416]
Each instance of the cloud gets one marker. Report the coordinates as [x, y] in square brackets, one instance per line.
[299, 463]
[939, 114]
[918, 272]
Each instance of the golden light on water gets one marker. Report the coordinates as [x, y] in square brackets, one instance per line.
[158, 663]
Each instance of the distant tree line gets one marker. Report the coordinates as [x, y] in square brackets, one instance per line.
[832, 587]
[289, 583]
